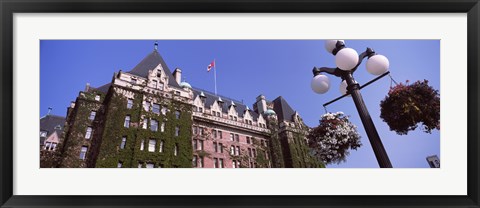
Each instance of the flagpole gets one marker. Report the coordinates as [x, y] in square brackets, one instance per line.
[215, 75]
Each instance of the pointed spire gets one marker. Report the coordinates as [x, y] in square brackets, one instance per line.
[220, 99]
[248, 109]
[232, 104]
[49, 110]
[202, 94]
[155, 46]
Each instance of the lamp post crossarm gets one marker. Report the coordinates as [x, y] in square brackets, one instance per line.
[361, 87]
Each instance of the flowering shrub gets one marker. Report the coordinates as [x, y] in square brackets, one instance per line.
[331, 140]
[407, 105]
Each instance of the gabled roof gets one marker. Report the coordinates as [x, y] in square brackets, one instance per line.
[283, 109]
[49, 122]
[210, 98]
[150, 62]
[104, 88]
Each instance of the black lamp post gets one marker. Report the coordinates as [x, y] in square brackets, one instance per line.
[347, 63]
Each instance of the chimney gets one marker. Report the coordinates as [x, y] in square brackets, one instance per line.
[178, 75]
[87, 87]
[261, 104]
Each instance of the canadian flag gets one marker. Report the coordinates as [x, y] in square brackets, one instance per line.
[209, 67]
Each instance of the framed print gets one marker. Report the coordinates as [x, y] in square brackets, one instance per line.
[212, 103]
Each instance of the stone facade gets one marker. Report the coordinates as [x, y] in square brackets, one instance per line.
[147, 117]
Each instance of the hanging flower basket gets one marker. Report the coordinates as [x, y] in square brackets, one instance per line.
[406, 106]
[331, 140]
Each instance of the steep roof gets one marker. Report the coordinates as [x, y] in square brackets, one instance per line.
[211, 98]
[49, 122]
[150, 62]
[104, 88]
[283, 109]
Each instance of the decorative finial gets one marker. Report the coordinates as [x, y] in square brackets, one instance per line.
[155, 45]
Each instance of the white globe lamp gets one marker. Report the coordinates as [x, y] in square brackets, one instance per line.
[320, 84]
[377, 64]
[331, 44]
[346, 59]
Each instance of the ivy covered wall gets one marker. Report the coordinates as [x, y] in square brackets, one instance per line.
[75, 130]
[109, 151]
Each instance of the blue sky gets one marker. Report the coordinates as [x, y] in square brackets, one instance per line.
[247, 68]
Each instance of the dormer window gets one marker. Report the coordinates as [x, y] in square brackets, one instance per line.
[159, 74]
[134, 80]
[154, 83]
[97, 97]
[160, 86]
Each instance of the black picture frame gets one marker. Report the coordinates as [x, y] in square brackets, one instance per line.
[10, 7]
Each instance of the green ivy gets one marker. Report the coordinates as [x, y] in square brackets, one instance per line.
[109, 152]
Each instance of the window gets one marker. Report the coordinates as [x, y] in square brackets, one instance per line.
[88, 134]
[160, 86]
[200, 162]
[177, 131]
[235, 164]
[175, 150]
[47, 145]
[221, 163]
[238, 151]
[43, 134]
[215, 162]
[177, 114]
[220, 134]
[150, 165]
[146, 106]
[126, 124]
[200, 109]
[254, 152]
[194, 161]
[202, 131]
[119, 164]
[214, 133]
[177, 92]
[151, 145]
[92, 115]
[97, 97]
[161, 146]
[134, 80]
[124, 142]
[156, 108]
[215, 147]
[164, 110]
[162, 127]
[54, 145]
[250, 152]
[195, 130]
[153, 125]
[220, 145]
[142, 145]
[235, 118]
[197, 144]
[232, 150]
[145, 123]
[237, 138]
[129, 103]
[248, 140]
[231, 137]
[218, 114]
[154, 83]
[83, 152]
[231, 117]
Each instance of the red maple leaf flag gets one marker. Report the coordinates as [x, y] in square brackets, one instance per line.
[209, 67]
